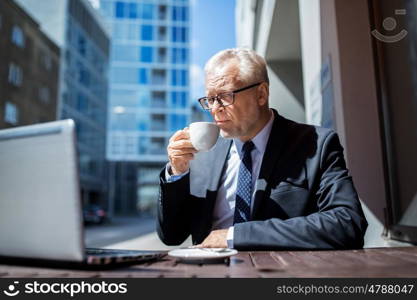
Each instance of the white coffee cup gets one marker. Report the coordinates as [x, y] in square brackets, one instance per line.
[203, 135]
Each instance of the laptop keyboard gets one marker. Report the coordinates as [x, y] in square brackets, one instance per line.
[97, 256]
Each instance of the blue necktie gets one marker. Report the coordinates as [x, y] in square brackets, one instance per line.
[244, 185]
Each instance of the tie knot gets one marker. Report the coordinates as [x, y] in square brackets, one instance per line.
[248, 147]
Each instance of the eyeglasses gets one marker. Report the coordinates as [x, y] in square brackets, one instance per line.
[223, 99]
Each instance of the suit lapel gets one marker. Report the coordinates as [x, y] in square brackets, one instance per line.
[271, 159]
[206, 168]
[219, 162]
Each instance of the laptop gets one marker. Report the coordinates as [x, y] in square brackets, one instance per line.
[40, 206]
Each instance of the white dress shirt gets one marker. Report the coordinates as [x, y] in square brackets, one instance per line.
[224, 209]
[223, 214]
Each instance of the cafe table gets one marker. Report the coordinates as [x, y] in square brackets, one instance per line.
[370, 262]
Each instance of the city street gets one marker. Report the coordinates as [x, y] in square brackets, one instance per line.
[120, 229]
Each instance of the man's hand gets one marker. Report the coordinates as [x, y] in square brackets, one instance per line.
[216, 239]
[180, 152]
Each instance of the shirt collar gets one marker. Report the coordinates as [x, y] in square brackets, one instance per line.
[260, 140]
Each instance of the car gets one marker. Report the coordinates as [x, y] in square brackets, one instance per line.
[94, 214]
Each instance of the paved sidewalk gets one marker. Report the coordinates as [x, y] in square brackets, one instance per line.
[122, 228]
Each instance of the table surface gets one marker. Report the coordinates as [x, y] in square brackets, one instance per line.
[371, 262]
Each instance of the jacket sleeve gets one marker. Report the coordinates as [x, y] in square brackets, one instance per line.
[173, 222]
[339, 222]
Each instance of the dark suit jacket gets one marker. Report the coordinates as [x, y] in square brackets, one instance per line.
[304, 196]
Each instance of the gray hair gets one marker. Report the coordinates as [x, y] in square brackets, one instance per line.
[252, 66]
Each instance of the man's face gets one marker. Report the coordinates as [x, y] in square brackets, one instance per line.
[239, 119]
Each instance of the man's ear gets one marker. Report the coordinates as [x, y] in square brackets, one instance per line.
[263, 94]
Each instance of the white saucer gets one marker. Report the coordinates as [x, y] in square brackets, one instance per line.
[191, 254]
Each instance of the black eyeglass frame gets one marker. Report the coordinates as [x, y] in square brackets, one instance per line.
[217, 97]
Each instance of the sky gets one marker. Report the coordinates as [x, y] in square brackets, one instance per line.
[212, 30]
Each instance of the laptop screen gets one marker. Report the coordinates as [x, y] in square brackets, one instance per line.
[40, 208]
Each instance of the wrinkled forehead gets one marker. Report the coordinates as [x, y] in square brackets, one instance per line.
[222, 78]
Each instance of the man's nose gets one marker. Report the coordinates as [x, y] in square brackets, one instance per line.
[217, 106]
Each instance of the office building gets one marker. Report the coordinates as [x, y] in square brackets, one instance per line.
[149, 90]
[29, 66]
[76, 27]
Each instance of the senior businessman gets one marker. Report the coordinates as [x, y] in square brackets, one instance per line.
[269, 183]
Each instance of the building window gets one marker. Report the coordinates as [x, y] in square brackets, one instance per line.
[18, 37]
[184, 56]
[120, 30]
[143, 144]
[173, 99]
[143, 76]
[143, 98]
[130, 145]
[82, 47]
[82, 103]
[158, 122]
[174, 56]
[178, 99]
[146, 54]
[133, 33]
[162, 33]
[174, 34]
[183, 99]
[44, 94]
[158, 77]
[147, 32]
[183, 34]
[179, 55]
[125, 53]
[179, 34]
[123, 121]
[116, 145]
[179, 13]
[147, 11]
[143, 121]
[133, 10]
[174, 80]
[157, 145]
[11, 113]
[15, 74]
[185, 13]
[124, 75]
[184, 77]
[120, 9]
[162, 12]
[177, 122]
[179, 77]
[46, 60]
[158, 99]
[176, 13]
[84, 76]
[162, 55]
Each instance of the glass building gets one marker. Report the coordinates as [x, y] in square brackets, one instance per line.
[149, 87]
[75, 26]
